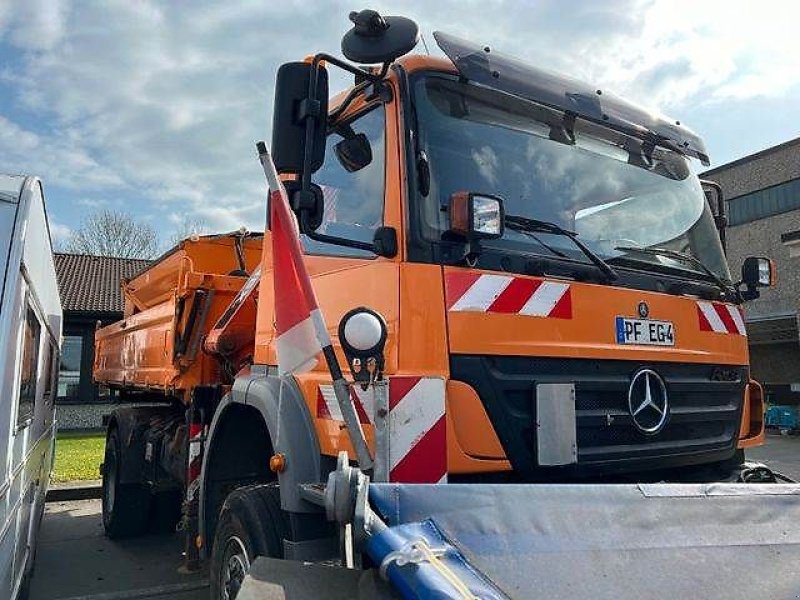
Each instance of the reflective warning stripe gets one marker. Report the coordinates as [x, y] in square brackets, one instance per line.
[474, 292]
[416, 447]
[417, 430]
[328, 406]
[720, 318]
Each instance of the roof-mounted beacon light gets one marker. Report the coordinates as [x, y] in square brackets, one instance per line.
[375, 39]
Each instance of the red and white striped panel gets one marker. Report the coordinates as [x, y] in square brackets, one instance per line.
[328, 407]
[720, 318]
[474, 292]
[417, 430]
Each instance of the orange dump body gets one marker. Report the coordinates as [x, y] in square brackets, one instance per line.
[169, 309]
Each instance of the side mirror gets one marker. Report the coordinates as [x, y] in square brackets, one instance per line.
[476, 216]
[354, 153]
[293, 107]
[758, 272]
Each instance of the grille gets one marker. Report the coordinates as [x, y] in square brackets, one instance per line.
[705, 404]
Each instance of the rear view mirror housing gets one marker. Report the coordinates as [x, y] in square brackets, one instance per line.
[354, 153]
[758, 272]
[293, 107]
[476, 216]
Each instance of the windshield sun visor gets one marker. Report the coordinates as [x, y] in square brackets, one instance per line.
[506, 74]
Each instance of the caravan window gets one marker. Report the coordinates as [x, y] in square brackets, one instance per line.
[51, 372]
[30, 364]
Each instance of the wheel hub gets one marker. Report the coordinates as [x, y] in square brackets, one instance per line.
[235, 565]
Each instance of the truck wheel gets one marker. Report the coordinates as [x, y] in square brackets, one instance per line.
[251, 523]
[126, 506]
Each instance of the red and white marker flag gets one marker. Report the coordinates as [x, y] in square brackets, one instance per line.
[300, 327]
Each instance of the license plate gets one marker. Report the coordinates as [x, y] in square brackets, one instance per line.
[645, 332]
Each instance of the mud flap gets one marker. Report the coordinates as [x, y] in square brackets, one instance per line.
[276, 579]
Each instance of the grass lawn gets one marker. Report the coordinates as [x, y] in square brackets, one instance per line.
[78, 456]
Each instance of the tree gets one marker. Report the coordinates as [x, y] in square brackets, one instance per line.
[187, 229]
[111, 233]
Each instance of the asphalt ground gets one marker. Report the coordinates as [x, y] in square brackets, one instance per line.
[781, 453]
[75, 561]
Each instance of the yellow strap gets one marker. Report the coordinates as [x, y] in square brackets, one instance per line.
[445, 571]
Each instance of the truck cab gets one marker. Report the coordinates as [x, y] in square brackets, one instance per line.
[553, 258]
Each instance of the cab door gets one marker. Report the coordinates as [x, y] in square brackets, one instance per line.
[357, 201]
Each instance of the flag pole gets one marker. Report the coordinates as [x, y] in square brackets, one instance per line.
[340, 386]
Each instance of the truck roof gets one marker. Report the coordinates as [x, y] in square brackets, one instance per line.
[487, 67]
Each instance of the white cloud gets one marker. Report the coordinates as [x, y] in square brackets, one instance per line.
[59, 233]
[33, 24]
[165, 101]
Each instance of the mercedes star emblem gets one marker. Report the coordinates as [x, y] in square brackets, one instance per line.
[648, 403]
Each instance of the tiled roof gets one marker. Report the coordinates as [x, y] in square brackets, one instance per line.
[93, 283]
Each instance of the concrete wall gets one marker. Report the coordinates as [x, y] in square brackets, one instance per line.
[763, 238]
[759, 171]
[776, 364]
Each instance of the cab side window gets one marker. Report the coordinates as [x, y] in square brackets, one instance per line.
[353, 191]
[30, 367]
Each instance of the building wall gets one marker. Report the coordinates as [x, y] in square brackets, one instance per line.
[772, 319]
[763, 238]
[759, 171]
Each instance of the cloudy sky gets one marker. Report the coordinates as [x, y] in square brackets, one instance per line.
[154, 107]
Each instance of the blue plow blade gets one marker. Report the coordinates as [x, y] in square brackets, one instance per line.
[732, 541]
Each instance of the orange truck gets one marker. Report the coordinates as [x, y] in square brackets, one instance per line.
[523, 273]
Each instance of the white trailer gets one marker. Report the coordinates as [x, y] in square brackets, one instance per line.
[30, 336]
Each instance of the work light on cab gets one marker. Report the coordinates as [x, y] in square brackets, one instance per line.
[476, 216]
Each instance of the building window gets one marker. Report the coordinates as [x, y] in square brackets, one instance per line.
[69, 374]
[30, 367]
[764, 203]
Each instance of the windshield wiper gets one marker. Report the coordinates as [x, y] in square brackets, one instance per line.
[727, 290]
[525, 224]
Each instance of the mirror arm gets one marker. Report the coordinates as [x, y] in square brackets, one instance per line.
[357, 71]
[351, 95]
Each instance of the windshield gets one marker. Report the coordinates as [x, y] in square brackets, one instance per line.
[612, 189]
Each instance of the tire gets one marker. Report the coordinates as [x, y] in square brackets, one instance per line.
[126, 506]
[251, 523]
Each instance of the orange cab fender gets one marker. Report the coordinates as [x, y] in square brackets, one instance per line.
[751, 432]
[248, 428]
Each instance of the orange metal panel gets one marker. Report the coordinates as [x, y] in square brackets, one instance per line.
[423, 329]
[752, 432]
[473, 431]
[590, 332]
[139, 351]
[459, 463]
